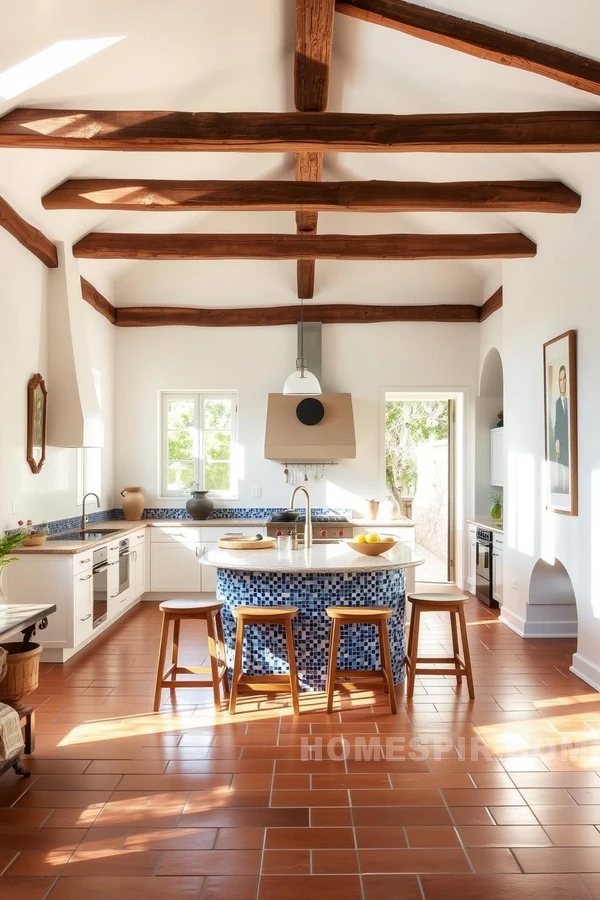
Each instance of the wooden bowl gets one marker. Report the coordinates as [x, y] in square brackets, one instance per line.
[372, 549]
[33, 540]
[242, 543]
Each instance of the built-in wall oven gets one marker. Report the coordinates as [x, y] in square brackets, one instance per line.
[484, 569]
[100, 569]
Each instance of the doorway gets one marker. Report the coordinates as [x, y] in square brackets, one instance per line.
[419, 470]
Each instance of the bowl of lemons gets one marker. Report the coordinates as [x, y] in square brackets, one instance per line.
[372, 544]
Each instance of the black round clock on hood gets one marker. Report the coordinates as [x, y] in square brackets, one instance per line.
[310, 411]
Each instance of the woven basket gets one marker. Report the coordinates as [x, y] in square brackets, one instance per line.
[22, 674]
[3, 662]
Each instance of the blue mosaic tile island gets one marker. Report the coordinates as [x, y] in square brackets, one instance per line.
[264, 645]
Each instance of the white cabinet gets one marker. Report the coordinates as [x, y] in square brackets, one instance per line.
[472, 557]
[497, 457]
[209, 573]
[175, 567]
[498, 566]
[139, 570]
[83, 607]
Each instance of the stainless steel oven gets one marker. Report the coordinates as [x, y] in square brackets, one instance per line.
[100, 568]
[484, 570]
[124, 565]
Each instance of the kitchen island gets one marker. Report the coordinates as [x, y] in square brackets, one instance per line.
[313, 579]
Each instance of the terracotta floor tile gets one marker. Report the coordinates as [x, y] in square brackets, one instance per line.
[72, 818]
[484, 797]
[125, 767]
[286, 862]
[225, 887]
[334, 862]
[512, 815]
[173, 782]
[425, 836]
[346, 782]
[239, 839]
[503, 887]
[558, 859]
[585, 796]
[124, 888]
[548, 796]
[44, 839]
[244, 818]
[116, 863]
[592, 883]
[140, 839]
[210, 862]
[378, 837]
[385, 887]
[331, 817]
[50, 782]
[493, 860]
[58, 799]
[104, 839]
[504, 836]
[400, 815]
[396, 798]
[38, 863]
[573, 835]
[492, 780]
[309, 838]
[471, 815]
[291, 782]
[23, 818]
[202, 800]
[315, 887]
[25, 888]
[120, 815]
[407, 780]
[567, 815]
[524, 764]
[417, 861]
[556, 780]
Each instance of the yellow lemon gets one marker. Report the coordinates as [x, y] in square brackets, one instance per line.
[388, 539]
[372, 538]
[361, 539]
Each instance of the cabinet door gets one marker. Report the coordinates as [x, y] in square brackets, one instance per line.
[209, 573]
[175, 567]
[498, 574]
[83, 607]
[112, 589]
[497, 457]
[472, 562]
[140, 570]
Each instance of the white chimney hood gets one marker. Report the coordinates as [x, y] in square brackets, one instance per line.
[74, 418]
[319, 430]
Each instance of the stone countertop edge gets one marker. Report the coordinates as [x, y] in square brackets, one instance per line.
[69, 548]
[320, 558]
[490, 524]
[383, 523]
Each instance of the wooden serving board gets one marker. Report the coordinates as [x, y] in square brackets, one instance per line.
[241, 543]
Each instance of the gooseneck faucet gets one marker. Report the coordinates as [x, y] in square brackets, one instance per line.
[83, 516]
[308, 536]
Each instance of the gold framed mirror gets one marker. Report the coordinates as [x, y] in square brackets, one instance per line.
[36, 423]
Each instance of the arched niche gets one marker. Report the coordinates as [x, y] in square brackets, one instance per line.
[551, 585]
[491, 381]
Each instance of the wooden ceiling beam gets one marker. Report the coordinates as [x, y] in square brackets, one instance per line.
[107, 245]
[142, 195]
[312, 61]
[492, 304]
[330, 314]
[127, 130]
[28, 235]
[479, 40]
[92, 296]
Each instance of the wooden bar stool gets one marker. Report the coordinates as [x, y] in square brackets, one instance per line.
[364, 615]
[208, 611]
[265, 615]
[454, 603]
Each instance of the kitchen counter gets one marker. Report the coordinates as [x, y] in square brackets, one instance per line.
[490, 524]
[123, 528]
[313, 579]
[383, 523]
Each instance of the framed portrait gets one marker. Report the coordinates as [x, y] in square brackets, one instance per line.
[560, 417]
[36, 423]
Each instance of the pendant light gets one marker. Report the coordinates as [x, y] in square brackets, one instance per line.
[302, 381]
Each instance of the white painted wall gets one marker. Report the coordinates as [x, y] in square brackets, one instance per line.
[24, 311]
[364, 360]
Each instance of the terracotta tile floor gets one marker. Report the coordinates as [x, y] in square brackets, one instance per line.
[496, 798]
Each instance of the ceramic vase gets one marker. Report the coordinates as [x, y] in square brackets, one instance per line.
[133, 503]
[496, 512]
[199, 506]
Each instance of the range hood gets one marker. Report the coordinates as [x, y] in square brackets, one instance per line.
[310, 429]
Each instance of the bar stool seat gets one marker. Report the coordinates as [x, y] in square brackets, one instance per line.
[265, 615]
[454, 603]
[175, 611]
[364, 615]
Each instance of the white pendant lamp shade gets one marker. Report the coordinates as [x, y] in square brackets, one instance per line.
[302, 382]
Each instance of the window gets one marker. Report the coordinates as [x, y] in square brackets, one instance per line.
[89, 472]
[198, 433]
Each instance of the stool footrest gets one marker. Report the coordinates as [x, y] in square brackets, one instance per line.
[456, 671]
[266, 683]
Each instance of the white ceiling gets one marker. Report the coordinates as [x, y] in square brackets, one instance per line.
[238, 56]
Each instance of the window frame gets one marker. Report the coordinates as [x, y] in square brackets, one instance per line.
[199, 460]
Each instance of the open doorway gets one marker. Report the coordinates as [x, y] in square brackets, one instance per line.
[419, 467]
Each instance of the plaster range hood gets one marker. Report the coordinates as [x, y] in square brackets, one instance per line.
[293, 435]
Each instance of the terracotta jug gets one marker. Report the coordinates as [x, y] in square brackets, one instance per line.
[133, 503]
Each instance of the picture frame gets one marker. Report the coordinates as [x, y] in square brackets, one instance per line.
[36, 422]
[560, 423]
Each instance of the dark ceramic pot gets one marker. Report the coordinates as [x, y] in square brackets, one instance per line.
[199, 506]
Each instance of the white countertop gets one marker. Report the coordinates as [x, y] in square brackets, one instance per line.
[383, 523]
[490, 524]
[320, 558]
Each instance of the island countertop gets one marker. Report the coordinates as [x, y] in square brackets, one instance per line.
[319, 558]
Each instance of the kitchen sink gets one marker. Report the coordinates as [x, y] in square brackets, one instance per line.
[77, 536]
[101, 530]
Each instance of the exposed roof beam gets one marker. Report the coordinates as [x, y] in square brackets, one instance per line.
[479, 40]
[28, 235]
[107, 245]
[141, 195]
[490, 306]
[534, 132]
[312, 60]
[343, 313]
[98, 301]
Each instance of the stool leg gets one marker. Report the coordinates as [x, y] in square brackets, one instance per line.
[222, 656]
[386, 663]
[237, 665]
[214, 667]
[175, 649]
[466, 653]
[334, 641]
[289, 637]
[162, 655]
[455, 647]
[413, 650]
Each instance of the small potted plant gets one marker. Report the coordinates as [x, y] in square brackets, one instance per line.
[33, 535]
[199, 506]
[496, 501]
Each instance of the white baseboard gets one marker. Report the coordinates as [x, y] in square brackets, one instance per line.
[513, 621]
[528, 629]
[586, 670]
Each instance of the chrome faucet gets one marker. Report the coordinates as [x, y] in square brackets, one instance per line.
[83, 515]
[308, 536]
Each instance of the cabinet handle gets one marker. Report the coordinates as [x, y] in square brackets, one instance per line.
[140, 537]
[112, 596]
[87, 577]
[82, 561]
[85, 618]
[198, 552]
